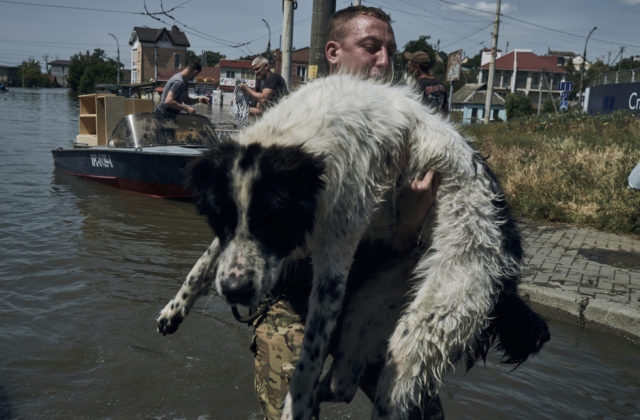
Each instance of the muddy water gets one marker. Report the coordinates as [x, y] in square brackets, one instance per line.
[85, 268]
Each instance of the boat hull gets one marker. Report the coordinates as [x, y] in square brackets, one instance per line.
[157, 173]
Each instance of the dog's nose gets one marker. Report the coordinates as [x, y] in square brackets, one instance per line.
[238, 288]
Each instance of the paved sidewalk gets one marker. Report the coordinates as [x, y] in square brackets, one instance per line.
[583, 275]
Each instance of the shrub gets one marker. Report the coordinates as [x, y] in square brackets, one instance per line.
[517, 106]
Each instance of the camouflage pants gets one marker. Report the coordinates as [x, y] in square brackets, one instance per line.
[277, 343]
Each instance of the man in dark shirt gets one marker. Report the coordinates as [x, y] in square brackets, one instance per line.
[270, 87]
[434, 93]
[175, 97]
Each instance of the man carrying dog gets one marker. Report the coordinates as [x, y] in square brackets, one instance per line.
[360, 41]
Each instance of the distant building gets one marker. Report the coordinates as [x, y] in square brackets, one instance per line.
[60, 71]
[156, 51]
[7, 73]
[566, 57]
[230, 70]
[485, 56]
[471, 99]
[524, 72]
[299, 66]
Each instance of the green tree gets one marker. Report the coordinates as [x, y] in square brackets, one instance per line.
[30, 74]
[85, 71]
[517, 106]
[212, 58]
[627, 64]
[192, 57]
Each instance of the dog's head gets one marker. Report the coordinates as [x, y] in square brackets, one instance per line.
[260, 202]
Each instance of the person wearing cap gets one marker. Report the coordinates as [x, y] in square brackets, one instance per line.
[434, 93]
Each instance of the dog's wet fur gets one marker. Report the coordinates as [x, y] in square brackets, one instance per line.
[319, 176]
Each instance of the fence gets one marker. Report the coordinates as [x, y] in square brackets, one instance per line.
[616, 77]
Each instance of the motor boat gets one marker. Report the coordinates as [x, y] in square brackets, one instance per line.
[146, 153]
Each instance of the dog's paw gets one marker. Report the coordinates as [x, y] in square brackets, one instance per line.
[170, 318]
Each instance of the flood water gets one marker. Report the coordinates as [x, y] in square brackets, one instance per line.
[85, 268]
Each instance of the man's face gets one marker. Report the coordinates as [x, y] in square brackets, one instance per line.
[368, 46]
[260, 70]
[192, 74]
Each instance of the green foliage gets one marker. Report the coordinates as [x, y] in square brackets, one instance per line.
[547, 106]
[30, 74]
[517, 106]
[567, 167]
[85, 71]
[211, 58]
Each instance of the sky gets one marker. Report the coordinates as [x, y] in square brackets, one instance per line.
[58, 29]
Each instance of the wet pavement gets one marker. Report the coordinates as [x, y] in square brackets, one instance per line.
[583, 275]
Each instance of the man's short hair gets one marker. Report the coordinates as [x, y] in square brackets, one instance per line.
[194, 65]
[338, 22]
[259, 61]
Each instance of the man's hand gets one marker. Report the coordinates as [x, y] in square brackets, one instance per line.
[190, 110]
[416, 202]
[204, 100]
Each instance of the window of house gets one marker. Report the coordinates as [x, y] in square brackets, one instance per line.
[176, 60]
[496, 114]
[231, 73]
[134, 65]
[301, 72]
[535, 83]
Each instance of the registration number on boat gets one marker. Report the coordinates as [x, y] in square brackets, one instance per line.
[101, 160]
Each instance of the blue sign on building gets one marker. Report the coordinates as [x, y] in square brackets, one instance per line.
[605, 99]
[565, 86]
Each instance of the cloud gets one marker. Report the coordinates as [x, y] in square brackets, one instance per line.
[630, 2]
[488, 7]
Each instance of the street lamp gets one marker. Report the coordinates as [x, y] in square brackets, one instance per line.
[118, 63]
[269, 42]
[584, 60]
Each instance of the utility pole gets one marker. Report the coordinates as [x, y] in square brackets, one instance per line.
[118, 63]
[269, 41]
[492, 65]
[287, 40]
[322, 11]
[620, 62]
[584, 61]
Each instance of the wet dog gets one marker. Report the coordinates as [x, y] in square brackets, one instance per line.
[319, 175]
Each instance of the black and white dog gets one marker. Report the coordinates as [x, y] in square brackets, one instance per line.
[320, 174]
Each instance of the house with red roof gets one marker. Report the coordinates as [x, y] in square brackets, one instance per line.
[524, 72]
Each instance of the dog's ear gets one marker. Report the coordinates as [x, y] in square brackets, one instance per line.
[299, 172]
[204, 171]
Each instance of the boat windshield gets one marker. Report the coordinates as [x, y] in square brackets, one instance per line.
[155, 129]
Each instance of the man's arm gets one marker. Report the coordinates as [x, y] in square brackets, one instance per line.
[413, 207]
[258, 96]
[172, 103]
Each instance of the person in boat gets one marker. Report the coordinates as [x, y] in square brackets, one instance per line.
[270, 87]
[175, 97]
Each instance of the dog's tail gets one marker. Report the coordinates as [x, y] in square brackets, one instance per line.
[515, 330]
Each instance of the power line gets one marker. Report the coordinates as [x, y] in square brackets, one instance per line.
[57, 6]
